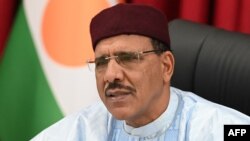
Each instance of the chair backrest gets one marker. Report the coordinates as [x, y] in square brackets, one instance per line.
[212, 63]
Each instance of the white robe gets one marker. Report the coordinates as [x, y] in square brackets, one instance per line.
[188, 118]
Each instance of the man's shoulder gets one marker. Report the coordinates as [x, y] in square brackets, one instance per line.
[204, 120]
[92, 118]
[198, 107]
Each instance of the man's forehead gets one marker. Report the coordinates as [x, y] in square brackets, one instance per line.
[124, 42]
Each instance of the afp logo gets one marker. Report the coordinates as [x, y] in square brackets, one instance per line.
[236, 132]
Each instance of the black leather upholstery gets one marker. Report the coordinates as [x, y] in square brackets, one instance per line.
[212, 63]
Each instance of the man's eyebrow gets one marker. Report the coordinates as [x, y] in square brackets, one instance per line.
[124, 52]
[102, 56]
[115, 53]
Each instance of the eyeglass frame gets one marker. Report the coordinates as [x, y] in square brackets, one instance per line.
[118, 61]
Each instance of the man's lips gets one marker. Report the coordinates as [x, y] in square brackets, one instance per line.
[117, 96]
[116, 93]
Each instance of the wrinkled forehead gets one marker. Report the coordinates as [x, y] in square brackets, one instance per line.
[123, 43]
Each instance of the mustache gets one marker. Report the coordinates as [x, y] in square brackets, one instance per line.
[114, 85]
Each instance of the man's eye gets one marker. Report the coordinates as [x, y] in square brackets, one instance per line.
[128, 57]
[101, 62]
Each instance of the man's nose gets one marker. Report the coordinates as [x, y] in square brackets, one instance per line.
[113, 72]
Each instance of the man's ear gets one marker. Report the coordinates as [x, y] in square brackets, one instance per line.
[168, 65]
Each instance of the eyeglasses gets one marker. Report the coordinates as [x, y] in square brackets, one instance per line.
[125, 59]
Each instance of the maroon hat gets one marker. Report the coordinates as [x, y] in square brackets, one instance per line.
[129, 19]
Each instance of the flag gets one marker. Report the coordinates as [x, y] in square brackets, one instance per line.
[43, 72]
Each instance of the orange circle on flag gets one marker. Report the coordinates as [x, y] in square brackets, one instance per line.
[65, 30]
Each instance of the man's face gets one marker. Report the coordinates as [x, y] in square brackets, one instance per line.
[137, 92]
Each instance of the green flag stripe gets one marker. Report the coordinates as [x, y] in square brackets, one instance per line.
[26, 102]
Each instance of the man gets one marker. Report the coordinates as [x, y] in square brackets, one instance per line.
[133, 66]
